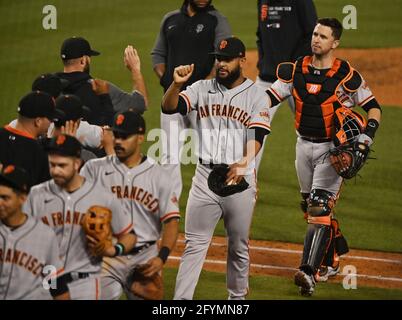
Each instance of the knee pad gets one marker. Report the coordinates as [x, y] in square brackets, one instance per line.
[320, 204]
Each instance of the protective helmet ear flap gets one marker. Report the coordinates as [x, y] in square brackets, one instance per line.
[347, 126]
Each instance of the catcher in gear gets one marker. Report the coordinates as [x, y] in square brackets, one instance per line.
[325, 88]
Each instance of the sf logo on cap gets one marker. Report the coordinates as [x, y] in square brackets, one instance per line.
[223, 44]
[60, 140]
[8, 169]
[120, 119]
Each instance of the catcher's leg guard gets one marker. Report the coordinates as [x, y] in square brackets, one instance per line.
[319, 230]
[337, 247]
[304, 204]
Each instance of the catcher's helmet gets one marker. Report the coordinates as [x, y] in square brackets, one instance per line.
[348, 125]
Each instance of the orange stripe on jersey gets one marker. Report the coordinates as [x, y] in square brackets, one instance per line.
[169, 215]
[259, 124]
[58, 272]
[365, 101]
[96, 289]
[187, 101]
[124, 231]
[277, 96]
[19, 132]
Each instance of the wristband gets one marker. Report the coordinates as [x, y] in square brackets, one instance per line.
[371, 128]
[119, 249]
[164, 253]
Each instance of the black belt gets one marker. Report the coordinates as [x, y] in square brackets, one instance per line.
[73, 276]
[317, 140]
[140, 248]
[207, 164]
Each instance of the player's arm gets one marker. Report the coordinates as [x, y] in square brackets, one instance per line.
[282, 88]
[365, 99]
[159, 52]
[237, 170]
[133, 63]
[169, 238]
[170, 100]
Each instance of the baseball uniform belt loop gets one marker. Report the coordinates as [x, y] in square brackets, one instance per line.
[140, 248]
[73, 276]
[317, 140]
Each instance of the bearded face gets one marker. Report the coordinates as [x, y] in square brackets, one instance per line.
[200, 5]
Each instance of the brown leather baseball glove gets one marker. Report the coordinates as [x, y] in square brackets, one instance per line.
[97, 224]
[147, 288]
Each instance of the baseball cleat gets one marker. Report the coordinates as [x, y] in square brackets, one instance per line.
[327, 272]
[305, 282]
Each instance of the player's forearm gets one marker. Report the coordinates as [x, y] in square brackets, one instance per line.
[128, 240]
[171, 97]
[374, 113]
[170, 233]
[139, 85]
[160, 69]
[252, 149]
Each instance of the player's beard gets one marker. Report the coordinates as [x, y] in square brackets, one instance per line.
[64, 182]
[229, 79]
[199, 9]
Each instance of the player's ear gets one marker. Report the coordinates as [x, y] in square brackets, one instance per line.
[22, 197]
[77, 164]
[335, 44]
[141, 138]
[242, 62]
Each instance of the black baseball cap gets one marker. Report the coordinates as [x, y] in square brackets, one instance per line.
[15, 177]
[128, 122]
[39, 104]
[49, 83]
[64, 145]
[76, 47]
[72, 108]
[230, 47]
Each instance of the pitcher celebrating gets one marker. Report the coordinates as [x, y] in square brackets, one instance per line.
[231, 121]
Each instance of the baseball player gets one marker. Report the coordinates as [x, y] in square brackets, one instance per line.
[27, 246]
[231, 121]
[62, 203]
[206, 28]
[320, 84]
[146, 193]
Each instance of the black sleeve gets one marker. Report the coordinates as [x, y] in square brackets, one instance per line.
[107, 109]
[373, 103]
[307, 16]
[181, 107]
[259, 134]
[274, 100]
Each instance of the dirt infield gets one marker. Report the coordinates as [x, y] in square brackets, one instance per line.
[374, 269]
[382, 69]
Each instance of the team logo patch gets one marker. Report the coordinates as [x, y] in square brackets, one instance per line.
[223, 44]
[120, 119]
[8, 169]
[264, 114]
[313, 88]
[199, 28]
[60, 140]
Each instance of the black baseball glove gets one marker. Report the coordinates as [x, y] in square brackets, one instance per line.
[217, 182]
[348, 159]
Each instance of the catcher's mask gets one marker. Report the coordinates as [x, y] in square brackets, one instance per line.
[348, 125]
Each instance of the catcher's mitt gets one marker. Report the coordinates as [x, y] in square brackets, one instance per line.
[348, 159]
[147, 288]
[217, 182]
[96, 224]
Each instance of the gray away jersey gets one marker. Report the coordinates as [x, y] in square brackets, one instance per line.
[145, 192]
[64, 212]
[24, 252]
[223, 117]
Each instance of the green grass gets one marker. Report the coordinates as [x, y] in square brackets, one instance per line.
[212, 286]
[369, 211]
